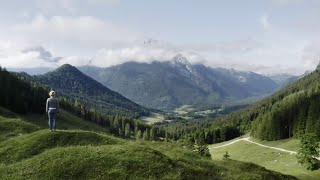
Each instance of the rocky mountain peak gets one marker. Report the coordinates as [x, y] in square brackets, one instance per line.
[182, 62]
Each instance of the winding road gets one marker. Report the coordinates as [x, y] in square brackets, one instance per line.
[247, 139]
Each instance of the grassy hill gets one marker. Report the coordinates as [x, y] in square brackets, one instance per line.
[272, 159]
[29, 151]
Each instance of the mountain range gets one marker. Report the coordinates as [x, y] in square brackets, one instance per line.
[170, 84]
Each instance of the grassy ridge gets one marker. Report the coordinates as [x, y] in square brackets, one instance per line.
[13, 127]
[25, 146]
[78, 154]
[131, 160]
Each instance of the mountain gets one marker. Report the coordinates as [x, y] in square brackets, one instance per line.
[171, 84]
[70, 82]
[281, 79]
[284, 80]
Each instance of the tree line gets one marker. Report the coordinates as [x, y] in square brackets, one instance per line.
[20, 96]
[126, 126]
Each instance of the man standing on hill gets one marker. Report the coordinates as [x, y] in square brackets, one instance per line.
[52, 108]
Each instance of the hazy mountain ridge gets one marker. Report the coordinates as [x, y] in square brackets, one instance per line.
[170, 84]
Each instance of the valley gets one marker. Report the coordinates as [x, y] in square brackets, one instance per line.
[181, 128]
[152, 90]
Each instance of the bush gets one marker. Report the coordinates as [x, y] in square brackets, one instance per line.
[226, 156]
[202, 149]
[309, 152]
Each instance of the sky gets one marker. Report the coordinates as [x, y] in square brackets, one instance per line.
[265, 36]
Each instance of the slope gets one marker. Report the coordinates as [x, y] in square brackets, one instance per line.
[70, 82]
[171, 84]
[276, 155]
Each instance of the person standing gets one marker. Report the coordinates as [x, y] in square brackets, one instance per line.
[52, 108]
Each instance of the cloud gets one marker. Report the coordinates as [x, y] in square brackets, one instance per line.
[227, 47]
[311, 55]
[286, 2]
[83, 40]
[147, 52]
[69, 34]
[264, 21]
[69, 6]
[43, 54]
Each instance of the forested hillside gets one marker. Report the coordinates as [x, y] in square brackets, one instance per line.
[290, 112]
[69, 82]
[21, 95]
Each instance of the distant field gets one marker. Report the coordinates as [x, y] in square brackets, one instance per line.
[184, 109]
[154, 118]
[271, 159]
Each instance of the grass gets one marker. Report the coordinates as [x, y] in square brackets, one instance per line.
[275, 160]
[65, 120]
[10, 127]
[288, 144]
[37, 153]
[22, 147]
[135, 160]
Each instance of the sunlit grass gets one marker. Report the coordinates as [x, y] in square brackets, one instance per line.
[275, 160]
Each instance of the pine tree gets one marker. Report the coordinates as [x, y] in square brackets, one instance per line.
[139, 135]
[127, 130]
[226, 156]
[309, 151]
[146, 135]
[152, 134]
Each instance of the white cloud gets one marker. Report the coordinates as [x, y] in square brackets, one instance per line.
[286, 2]
[311, 55]
[69, 34]
[69, 6]
[149, 51]
[83, 40]
[264, 21]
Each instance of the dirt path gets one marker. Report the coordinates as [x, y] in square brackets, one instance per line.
[248, 140]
